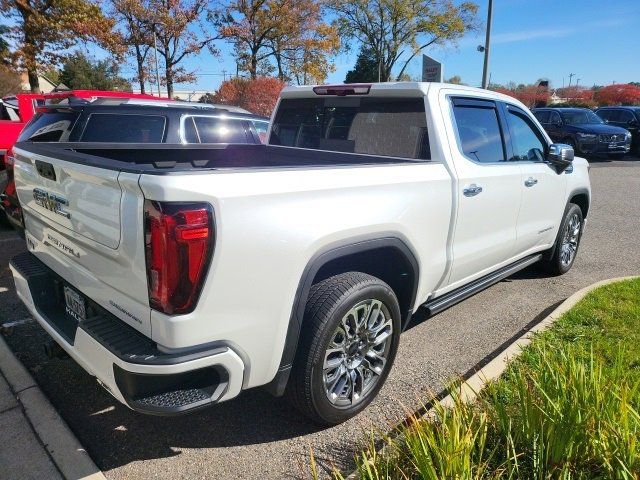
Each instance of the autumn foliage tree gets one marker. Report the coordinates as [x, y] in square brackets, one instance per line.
[136, 27]
[258, 95]
[398, 30]
[622, 94]
[288, 37]
[44, 30]
[531, 95]
[176, 25]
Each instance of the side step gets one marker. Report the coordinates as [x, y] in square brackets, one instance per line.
[449, 299]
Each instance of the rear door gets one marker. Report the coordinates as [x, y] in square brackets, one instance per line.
[489, 190]
[555, 128]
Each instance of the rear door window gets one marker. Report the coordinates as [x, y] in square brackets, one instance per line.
[220, 130]
[389, 127]
[124, 128]
[49, 127]
[261, 130]
[479, 132]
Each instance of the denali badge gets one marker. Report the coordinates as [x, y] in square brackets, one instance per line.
[51, 202]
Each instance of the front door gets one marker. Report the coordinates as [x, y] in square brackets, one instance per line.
[543, 192]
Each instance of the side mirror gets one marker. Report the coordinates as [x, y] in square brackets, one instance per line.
[633, 123]
[560, 156]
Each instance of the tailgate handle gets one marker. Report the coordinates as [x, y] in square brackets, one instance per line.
[45, 170]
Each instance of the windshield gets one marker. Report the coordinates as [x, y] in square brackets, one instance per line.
[580, 117]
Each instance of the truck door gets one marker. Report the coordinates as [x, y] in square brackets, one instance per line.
[543, 189]
[488, 190]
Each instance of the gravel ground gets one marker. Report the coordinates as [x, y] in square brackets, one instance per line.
[256, 435]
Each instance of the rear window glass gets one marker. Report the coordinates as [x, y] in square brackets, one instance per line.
[261, 129]
[543, 116]
[389, 127]
[219, 130]
[479, 133]
[49, 127]
[124, 128]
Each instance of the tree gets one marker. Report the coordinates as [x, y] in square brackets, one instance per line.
[302, 42]
[532, 95]
[4, 45]
[10, 81]
[366, 68]
[44, 30]
[136, 23]
[398, 30]
[207, 98]
[287, 37]
[619, 94]
[258, 95]
[456, 80]
[175, 23]
[82, 73]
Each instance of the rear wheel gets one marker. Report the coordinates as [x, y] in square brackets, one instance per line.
[567, 242]
[348, 344]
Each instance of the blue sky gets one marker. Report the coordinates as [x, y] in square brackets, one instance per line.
[598, 40]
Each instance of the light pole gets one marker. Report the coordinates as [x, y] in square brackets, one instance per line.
[487, 46]
[155, 49]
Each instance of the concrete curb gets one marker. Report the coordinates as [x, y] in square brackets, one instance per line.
[469, 390]
[71, 459]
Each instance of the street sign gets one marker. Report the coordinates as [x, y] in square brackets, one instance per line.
[432, 70]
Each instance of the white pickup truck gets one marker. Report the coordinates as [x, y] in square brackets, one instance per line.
[180, 275]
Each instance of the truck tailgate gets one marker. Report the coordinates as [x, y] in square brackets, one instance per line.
[74, 223]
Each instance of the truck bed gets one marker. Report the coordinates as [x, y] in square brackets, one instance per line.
[166, 158]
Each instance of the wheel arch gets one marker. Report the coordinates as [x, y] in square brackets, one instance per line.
[582, 198]
[388, 258]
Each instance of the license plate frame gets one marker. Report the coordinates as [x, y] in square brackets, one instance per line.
[75, 304]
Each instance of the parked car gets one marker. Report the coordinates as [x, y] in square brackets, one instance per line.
[133, 121]
[15, 112]
[180, 275]
[624, 117]
[586, 132]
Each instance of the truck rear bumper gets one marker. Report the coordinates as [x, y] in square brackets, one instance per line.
[124, 361]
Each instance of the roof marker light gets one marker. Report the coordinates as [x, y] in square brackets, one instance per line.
[343, 90]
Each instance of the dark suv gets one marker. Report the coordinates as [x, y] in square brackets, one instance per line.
[624, 117]
[111, 121]
[586, 132]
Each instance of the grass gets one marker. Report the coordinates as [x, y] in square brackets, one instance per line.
[567, 408]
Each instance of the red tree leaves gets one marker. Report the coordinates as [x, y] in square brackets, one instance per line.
[257, 95]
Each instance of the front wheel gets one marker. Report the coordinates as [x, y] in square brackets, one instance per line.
[349, 340]
[567, 242]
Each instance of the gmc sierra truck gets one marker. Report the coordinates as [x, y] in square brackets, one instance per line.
[180, 275]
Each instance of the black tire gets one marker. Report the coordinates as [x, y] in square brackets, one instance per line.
[555, 263]
[329, 301]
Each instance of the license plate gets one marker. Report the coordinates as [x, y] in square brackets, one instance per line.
[75, 305]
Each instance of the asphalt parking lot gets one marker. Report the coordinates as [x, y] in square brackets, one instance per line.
[256, 435]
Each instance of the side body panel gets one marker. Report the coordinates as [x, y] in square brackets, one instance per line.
[271, 224]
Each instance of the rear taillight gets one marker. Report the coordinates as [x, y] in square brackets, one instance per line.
[179, 239]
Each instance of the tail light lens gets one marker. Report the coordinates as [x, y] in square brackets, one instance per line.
[179, 240]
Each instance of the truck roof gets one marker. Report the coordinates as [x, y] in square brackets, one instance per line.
[400, 89]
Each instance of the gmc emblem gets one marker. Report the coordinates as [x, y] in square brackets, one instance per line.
[51, 202]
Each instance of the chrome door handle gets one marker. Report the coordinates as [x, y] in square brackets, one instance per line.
[530, 182]
[472, 190]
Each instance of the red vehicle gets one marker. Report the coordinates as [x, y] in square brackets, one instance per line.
[15, 113]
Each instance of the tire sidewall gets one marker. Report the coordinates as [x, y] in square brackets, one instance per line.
[325, 409]
[568, 213]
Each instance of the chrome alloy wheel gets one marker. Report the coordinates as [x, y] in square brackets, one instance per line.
[570, 239]
[357, 353]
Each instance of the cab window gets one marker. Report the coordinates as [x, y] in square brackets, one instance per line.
[479, 132]
[526, 140]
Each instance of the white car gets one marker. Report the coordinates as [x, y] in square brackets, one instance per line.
[181, 275]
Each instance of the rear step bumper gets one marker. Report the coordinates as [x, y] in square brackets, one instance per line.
[124, 361]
